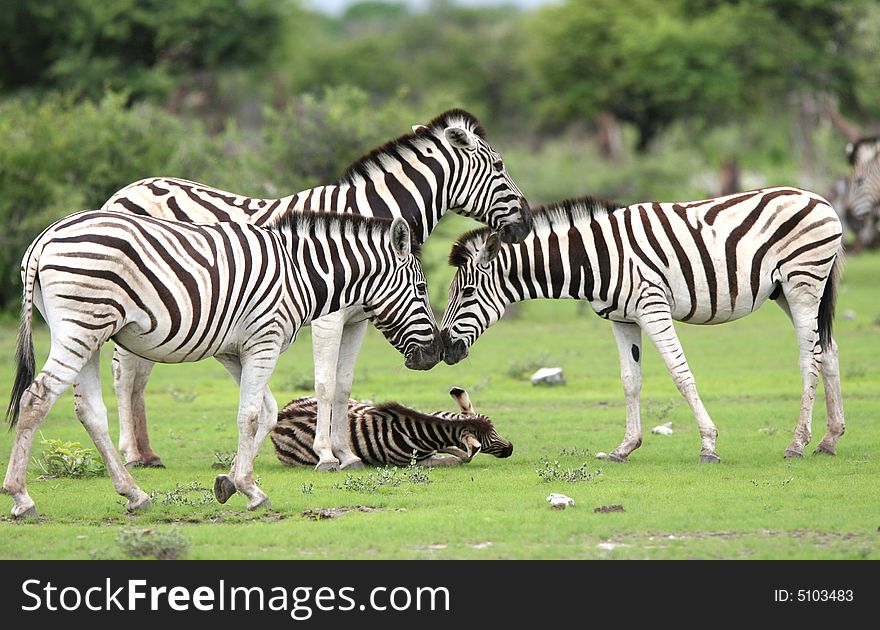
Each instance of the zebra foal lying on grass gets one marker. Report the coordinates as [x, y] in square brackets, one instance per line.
[176, 292]
[391, 434]
[645, 265]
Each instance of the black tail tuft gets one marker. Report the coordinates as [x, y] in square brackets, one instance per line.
[24, 360]
[826, 305]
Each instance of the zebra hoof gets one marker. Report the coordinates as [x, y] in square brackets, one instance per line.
[153, 463]
[790, 453]
[618, 459]
[327, 466]
[709, 458]
[825, 450]
[259, 503]
[355, 464]
[223, 488]
[140, 504]
[30, 512]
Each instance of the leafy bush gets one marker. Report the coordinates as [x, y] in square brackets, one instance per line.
[553, 471]
[68, 459]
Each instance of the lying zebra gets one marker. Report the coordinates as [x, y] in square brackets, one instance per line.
[391, 434]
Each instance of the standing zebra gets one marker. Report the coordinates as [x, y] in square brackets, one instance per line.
[862, 205]
[645, 265]
[176, 292]
[391, 434]
[446, 165]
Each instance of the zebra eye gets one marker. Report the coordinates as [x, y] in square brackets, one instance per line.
[468, 292]
[422, 288]
[499, 166]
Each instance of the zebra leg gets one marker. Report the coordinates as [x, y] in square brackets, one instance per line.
[629, 349]
[340, 433]
[268, 420]
[130, 375]
[833, 401]
[804, 316]
[326, 339]
[661, 332]
[35, 405]
[252, 380]
[92, 413]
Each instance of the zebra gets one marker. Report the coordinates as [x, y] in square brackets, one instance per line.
[177, 292]
[862, 205]
[391, 434]
[444, 165]
[644, 265]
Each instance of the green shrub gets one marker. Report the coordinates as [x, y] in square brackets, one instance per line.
[68, 459]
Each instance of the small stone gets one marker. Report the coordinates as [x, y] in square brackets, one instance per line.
[663, 429]
[555, 499]
[601, 455]
[848, 314]
[548, 376]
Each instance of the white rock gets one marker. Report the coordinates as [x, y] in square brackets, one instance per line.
[601, 455]
[559, 499]
[548, 376]
[663, 429]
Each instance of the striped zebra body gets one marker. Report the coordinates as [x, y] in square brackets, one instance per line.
[645, 265]
[862, 206]
[389, 434]
[176, 292]
[445, 165]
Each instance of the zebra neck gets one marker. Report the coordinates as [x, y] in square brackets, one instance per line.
[331, 272]
[404, 192]
[547, 265]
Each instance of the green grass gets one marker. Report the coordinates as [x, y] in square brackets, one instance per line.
[754, 504]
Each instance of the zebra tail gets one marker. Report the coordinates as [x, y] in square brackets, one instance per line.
[828, 302]
[24, 352]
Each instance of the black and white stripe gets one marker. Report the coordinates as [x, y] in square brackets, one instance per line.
[391, 434]
[176, 292]
[446, 165]
[862, 205]
[645, 265]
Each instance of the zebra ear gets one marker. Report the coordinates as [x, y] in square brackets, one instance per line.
[419, 129]
[400, 238]
[490, 249]
[460, 138]
[464, 401]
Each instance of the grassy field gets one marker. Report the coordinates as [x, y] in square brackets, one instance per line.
[754, 504]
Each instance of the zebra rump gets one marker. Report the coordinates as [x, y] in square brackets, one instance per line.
[388, 434]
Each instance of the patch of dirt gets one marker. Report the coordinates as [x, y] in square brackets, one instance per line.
[323, 513]
[604, 509]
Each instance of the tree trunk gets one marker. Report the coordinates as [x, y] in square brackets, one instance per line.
[609, 137]
[729, 177]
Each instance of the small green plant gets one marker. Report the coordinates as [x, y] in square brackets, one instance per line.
[68, 459]
[191, 495]
[168, 544]
[182, 395]
[574, 451]
[308, 488]
[223, 459]
[658, 411]
[553, 471]
[387, 477]
[521, 369]
[300, 381]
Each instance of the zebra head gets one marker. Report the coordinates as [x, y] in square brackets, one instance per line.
[398, 304]
[863, 196]
[480, 186]
[475, 299]
[480, 436]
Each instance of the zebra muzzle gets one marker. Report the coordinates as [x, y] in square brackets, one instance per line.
[454, 350]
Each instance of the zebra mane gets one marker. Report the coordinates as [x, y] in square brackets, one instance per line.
[298, 222]
[477, 423]
[363, 166]
[567, 210]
